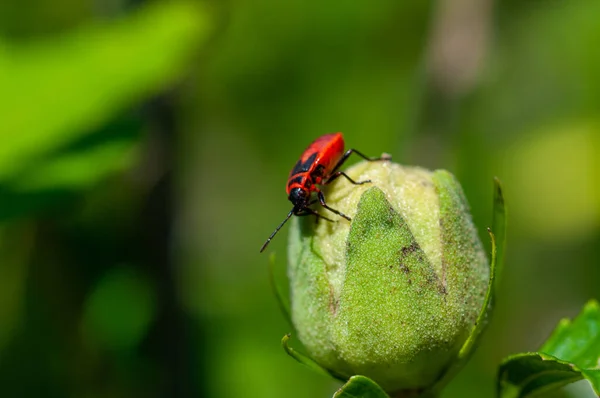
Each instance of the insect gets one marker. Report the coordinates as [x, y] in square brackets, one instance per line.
[318, 165]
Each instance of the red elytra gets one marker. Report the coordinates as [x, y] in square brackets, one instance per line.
[318, 165]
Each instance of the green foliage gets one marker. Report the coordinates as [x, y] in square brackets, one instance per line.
[301, 358]
[570, 354]
[360, 387]
[282, 301]
[497, 235]
[69, 112]
[58, 90]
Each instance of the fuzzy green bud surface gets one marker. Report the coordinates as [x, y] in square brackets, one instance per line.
[393, 294]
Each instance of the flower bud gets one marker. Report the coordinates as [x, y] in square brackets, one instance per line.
[393, 294]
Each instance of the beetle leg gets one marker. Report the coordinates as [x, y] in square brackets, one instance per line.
[351, 151]
[322, 201]
[308, 211]
[341, 173]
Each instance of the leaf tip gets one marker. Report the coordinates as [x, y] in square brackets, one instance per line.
[498, 188]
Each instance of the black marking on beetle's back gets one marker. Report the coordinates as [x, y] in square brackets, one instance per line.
[296, 180]
[303, 167]
[319, 171]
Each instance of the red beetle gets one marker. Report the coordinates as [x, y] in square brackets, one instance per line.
[318, 165]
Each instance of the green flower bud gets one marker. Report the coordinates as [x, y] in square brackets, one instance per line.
[394, 294]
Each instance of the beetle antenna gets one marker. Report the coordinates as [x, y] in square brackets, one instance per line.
[264, 246]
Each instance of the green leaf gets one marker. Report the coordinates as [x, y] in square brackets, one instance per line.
[57, 90]
[284, 304]
[499, 218]
[56, 176]
[360, 387]
[577, 341]
[79, 169]
[498, 238]
[303, 359]
[486, 309]
[570, 354]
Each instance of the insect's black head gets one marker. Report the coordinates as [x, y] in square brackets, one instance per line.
[299, 197]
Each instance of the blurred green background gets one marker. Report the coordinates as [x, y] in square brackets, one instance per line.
[145, 147]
